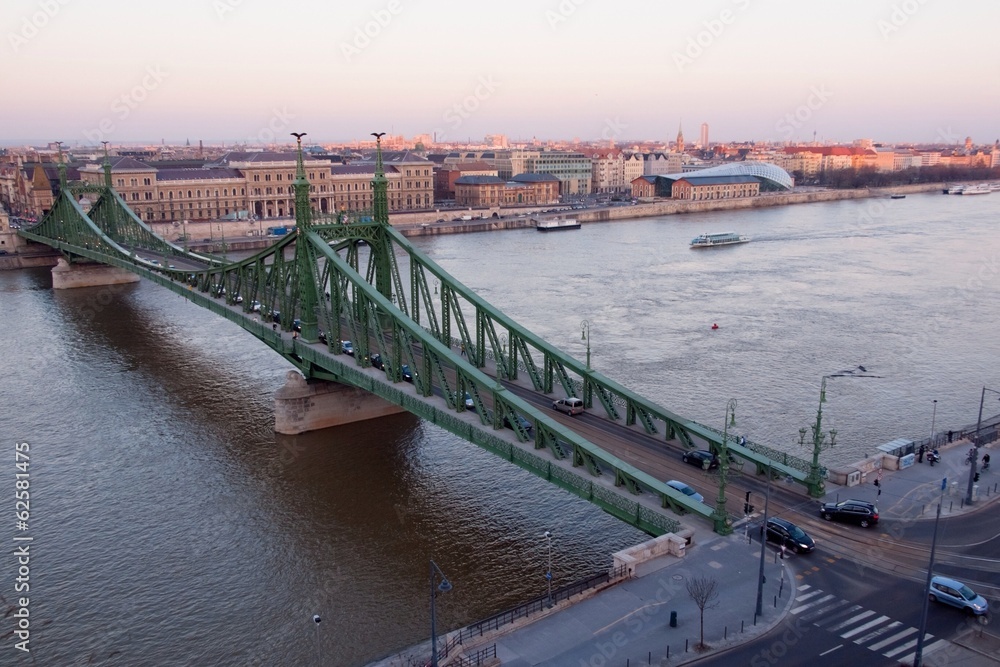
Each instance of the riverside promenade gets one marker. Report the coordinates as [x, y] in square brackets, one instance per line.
[628, 623]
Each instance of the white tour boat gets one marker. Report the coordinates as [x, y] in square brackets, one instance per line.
[723, 238]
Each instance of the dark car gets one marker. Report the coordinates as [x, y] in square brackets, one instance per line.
[407, 375]
[863, 513]
[701, 458]
[524, 423]
[376, 360]
[787, 534]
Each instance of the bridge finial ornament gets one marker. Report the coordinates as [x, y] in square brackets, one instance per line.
[380, 185]
[303, 212]
[107, 166]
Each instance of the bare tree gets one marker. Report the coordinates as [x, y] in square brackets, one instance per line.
[704, 591]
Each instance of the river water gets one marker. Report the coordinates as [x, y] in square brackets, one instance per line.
[171, 526]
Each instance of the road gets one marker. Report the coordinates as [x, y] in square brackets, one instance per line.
[843, 616]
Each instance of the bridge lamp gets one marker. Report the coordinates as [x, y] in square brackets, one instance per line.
[975, 445]
[585, 335]
[443, 587]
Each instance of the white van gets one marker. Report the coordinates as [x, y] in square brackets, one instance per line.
[571, 406]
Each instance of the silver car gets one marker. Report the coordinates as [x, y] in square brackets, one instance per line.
[958, 595]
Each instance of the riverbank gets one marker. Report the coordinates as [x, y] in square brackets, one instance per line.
[425, 223]
[647, 209]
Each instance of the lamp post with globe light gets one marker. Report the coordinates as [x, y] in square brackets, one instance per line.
[723, 526]
[443, 587]
[548, 572]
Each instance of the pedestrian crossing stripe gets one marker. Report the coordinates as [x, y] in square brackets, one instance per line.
[861, 626]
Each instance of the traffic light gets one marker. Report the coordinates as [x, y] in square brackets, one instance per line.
[747, 507]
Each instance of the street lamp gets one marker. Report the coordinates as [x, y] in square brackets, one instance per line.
[763, 541]
[975, 445]
[815, 479]
[933, 419]
[548, 572]
[722, 524]
[442, 587]
[918, 655]
[316, 622]
[585, 335]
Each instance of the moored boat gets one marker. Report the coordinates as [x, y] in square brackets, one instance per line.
[557, 224]
[982, 189]
[897, 196]
[722, 238]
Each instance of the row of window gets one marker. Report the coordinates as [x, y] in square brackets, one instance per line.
[291, 177]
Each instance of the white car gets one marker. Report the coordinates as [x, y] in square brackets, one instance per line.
[686, 490]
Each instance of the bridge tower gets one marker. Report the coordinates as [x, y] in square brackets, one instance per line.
[305, 261]
[309, 404]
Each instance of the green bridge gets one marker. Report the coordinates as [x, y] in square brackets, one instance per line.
[421, 341]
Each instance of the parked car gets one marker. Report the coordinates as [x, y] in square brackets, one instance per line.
[863, 513]
[686, 490]
[570, 405]
[347, 347]
[701, 458]
[787, 534]
[524, 423]
[957, 594]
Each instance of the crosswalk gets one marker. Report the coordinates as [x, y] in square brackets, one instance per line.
[862, 626]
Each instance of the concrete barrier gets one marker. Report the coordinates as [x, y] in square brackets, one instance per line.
[670, 544]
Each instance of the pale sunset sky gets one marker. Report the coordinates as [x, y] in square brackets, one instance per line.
[237, 70]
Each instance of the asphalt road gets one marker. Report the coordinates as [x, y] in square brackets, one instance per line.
[844, 614]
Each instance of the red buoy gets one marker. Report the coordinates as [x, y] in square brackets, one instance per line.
[715, 326]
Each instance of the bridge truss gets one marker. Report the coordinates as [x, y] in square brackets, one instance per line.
[354, 277]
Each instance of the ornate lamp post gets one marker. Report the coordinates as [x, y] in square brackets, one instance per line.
[817, 489]
[443, 587]
[723, 526]
[585, 335]
[975, 445]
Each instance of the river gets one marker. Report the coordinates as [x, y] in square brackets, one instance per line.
[171, 526]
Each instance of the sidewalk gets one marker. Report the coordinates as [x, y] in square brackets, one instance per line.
[630, 622]
[913, 493]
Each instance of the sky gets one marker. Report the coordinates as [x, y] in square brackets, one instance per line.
[129, 71]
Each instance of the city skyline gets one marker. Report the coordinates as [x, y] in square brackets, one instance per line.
[240, 71]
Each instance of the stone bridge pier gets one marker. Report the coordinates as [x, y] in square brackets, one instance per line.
[301, 405]
[71, 276]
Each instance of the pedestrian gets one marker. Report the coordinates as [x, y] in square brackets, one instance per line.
[295, 334]
[463, 349]
[920, 454]
[986, 461]
[274, 327]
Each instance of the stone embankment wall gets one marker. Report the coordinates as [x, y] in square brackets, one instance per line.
[671, 207]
